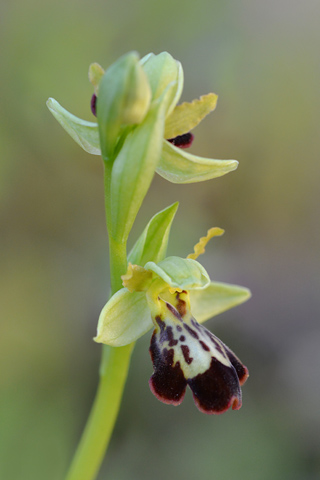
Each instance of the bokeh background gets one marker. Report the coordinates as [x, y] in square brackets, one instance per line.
[262, 58]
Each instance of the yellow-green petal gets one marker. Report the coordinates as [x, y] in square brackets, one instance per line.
[216, 298]
[179, 166]
[200, 247]
[95, 74]
[85, 133]
[124, 319]
[180, 273]
[188, 115]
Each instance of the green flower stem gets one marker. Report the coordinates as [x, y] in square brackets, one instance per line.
[113, 373]
[96, 436]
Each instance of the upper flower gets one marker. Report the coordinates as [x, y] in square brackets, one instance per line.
[128, 94]
[137, 111]
[167, 296]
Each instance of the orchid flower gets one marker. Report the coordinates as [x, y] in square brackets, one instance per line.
[157, 78]
[167, 296]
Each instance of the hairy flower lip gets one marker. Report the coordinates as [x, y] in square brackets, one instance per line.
[184, 353]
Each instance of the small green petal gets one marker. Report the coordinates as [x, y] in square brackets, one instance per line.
[181, 273]
[152, 243]
[163, 70]
[133, 170]
[187, 116]
[216, 298]
[124, 319]
[85, 133]
[178, 166]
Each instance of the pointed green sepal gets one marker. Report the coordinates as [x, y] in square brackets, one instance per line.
[133, 171]
[85, 133]
[124, 98]
[178, 166]
[180, 273]
[187, 116]
[163, 70]
[124, 319]
[152, 244]
[216, 298]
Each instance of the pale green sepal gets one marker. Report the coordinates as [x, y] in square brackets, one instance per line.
[178, 166]
[181, 273]
[85, 133]
[133, 171]
[124, 98]
[216, 298]
[163, 70]
[152, 243]
[124, 319]
[187, 116]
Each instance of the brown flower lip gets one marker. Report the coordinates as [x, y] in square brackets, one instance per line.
[93, 104]
[175, 346]
[182, 141]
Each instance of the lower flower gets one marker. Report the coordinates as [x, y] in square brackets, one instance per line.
[162, 296]
[184, 353]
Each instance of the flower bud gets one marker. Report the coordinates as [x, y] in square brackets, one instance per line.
[123, 100]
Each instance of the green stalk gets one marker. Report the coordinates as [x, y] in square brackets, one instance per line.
[104, 412]
[113, 373]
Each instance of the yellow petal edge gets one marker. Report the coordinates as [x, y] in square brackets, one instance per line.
[199, 248]
[188, 115]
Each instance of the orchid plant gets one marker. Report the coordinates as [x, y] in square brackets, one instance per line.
[141, 130]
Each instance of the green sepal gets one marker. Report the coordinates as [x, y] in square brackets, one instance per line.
[179, 166]
[124, 98]
[133, 170]
[181, 273]
[86, 134]
[152, 243]
[124, 319]
[163, 70]
[216, 298]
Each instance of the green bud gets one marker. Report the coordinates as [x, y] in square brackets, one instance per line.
[124, 99]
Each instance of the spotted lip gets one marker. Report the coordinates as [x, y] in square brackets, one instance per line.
[186, 353]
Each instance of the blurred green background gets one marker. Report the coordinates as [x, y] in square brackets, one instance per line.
[262, 59]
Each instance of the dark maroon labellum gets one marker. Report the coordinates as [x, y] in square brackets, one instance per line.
[182, 141]
[93, 104]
